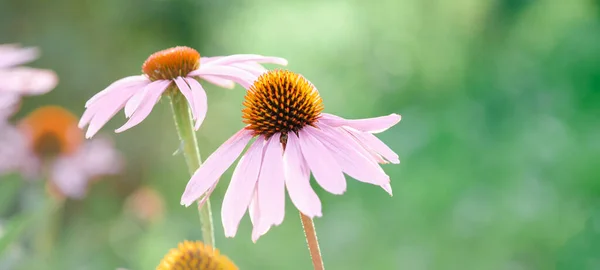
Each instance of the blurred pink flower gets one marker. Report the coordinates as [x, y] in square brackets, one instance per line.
[175, 66]
[283, 111]
[48, 143]
[16, 81]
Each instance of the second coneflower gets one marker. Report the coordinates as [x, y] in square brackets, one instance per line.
[179, 67]
[283, 111]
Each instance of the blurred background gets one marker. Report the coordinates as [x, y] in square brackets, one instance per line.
[500, 105]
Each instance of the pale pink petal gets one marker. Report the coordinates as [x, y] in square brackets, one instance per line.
[375, 145]
[134, 102]
[13, 55]
[69, 177]
[322, 164]
[241, 188]
[185, 89]
[8, 105]
[271, 185]
[349, 155]
[255, 214]
[122, 84]
[237, 58]
[27, 81]
[244, 78]
[372, 125]
[229, 84]
[216, 164]
[104, 109]
[200, 101]
[297, 179]
[254, 68]
[13, 148]
[155, 90]
[99, 157]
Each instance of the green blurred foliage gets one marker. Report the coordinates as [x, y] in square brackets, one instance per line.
[499, 138]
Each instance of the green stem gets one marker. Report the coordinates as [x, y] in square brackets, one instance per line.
[189, 144]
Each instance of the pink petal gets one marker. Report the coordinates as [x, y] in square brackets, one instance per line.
[297, 179]
[255, 215]
[134, 102]
[155, 90]
[229, 84]
[13, 148]
[215, 166]
[12, 55]
[99, 157]
[347, 152]
[254, 68]
[375, 145]
[372, 125]
[185, 89]
[27, 81]
[200, 101]
[271, 187]
[236, 58]
[69, 177]
[241, 188]
[244, 78]
[120, 85]
[98, 114]
[8, 105]
[322, 164]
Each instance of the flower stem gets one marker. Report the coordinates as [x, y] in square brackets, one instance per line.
[189, 147]
[312, 241]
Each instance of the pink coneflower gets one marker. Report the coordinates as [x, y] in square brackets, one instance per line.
[16, 81]
[283, 111]
[48, 143]
[180, 67]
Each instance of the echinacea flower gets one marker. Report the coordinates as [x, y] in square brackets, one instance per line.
[195, 256]
[48, 143]
[283, 111]
[16, 81]
[179, 67]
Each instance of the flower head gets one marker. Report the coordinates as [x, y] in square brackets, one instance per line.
[49, 139]
[195, 256]
[173, 70]
[18, 81]
[283, 111]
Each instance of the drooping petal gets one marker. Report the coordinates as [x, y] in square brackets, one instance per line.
[12, 55]
[374, 144]
[27, 81]
[185, 89]
[69, 177]
[271, 185]
[322, 164]
[244, 78]
[13, 148]
[372, 125]
[98, 114]
[128, 82]
[347, 152]
[155, 90]
[229, 84]
[254, 68]
[241, 188]
[134, 102]
[216, 164]
[200, 101]
[99, 157]
[8, 105]
[297, 179]
[237, 58]
[255, 215]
